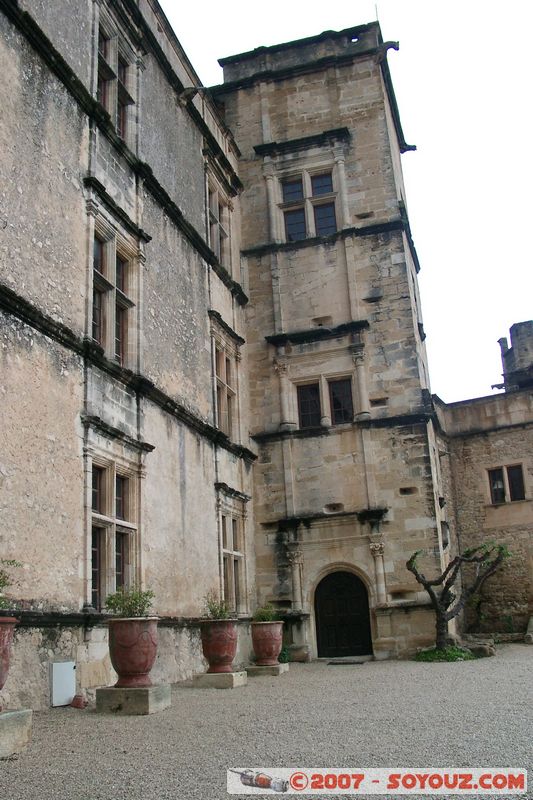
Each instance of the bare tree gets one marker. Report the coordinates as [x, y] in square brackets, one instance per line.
[486, 560]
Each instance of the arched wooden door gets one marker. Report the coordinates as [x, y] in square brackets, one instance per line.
[342, 616]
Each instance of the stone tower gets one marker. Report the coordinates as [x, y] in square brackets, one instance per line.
[517, 360]
[347, 485]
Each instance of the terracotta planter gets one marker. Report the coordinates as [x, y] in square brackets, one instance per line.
[133, 648]
[266, 641]
[219, 643]
[7, 626]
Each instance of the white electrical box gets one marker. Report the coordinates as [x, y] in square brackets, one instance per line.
[62, 682]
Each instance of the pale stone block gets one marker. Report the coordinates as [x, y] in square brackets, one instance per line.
[276, 669]
[145, 700]
[93, 674]
[220, 680]
[15, 731]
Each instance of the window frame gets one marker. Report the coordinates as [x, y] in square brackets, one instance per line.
[306, 204]
[232, 543]
[502, 494]
[117, 304]
[219, 224]
[108, 530]
[225, 360]
[348, 380]
[324, 391]
[300, 388]
[116, 76]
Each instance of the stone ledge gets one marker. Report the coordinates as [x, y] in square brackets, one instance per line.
[220, 680]
[15, 731]
[275, 669]
[126, 702]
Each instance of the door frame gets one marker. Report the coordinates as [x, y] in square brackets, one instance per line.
[341, 566]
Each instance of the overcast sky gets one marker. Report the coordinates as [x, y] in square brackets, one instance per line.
[463, 82]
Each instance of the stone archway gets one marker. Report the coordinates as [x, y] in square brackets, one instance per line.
[342, 616]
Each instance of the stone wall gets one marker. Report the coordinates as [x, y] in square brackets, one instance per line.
[480, 435]
[179, 658]
[71, 402]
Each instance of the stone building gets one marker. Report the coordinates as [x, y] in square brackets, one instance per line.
[213, 369]
[347, 483]
[486, 447]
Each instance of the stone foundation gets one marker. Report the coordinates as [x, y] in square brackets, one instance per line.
[220, 680]
[15, 731]
[131, 702]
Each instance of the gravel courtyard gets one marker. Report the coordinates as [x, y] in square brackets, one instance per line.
[379, 714]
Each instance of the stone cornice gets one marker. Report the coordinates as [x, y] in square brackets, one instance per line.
[399, 420]
[283, 73]
[227, 490]
[93, 183]
[111, 432]
[367, 230]
[317, 334]
[214, 315]
[379, 52]
[363, 515]
[304, 143]
[93, 354]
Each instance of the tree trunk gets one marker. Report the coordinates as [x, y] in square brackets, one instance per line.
[442, 629]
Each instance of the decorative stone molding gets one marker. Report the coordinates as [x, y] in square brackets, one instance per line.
[377, 549]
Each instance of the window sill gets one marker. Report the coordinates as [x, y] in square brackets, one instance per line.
[508, 503]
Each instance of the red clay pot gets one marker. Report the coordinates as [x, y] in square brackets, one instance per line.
[133, 648]
[219, 644]
[7, 626]
[266, 641]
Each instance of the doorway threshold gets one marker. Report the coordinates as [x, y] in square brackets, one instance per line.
[349, 660]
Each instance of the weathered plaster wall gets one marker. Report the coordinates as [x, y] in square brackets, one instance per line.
[179, 536]
[74, 41]
[175, 325]
[41, 473]
[43, 141]
[179, 169]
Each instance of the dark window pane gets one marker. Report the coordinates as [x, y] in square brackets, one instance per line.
[98, 255]
[516, 483]
[102, 44]
[292, 190]
[120, 334]
[121, 119]
[224, 533]
[121, 274]
[236, 583]
[98, 318]
[121, 497]
[235, 530]
[295, 225]
[321, 184]
[227, 581]
[96, 567]
[101, 91]
[122, 70]
[340, 394]
[325, 219]
[98, 490]
[309, 405]
[120, 559]
[497, 486]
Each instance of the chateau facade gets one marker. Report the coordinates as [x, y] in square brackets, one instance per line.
[213, 369]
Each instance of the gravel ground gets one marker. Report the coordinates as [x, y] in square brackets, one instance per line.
[379, 714]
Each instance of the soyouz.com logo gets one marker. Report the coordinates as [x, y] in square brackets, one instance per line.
[395, 781]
